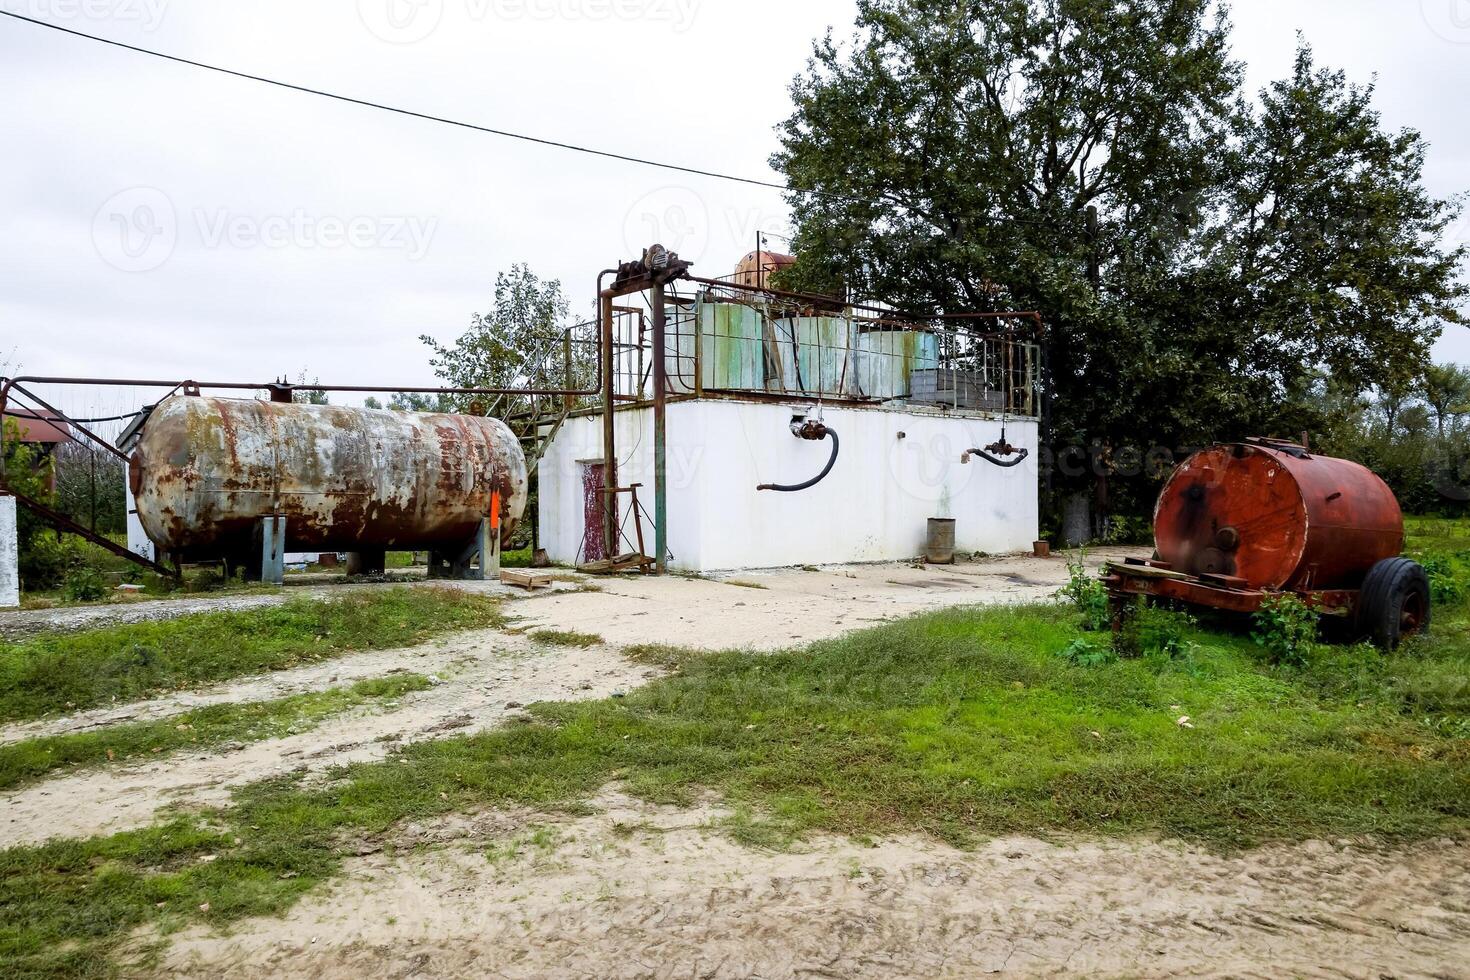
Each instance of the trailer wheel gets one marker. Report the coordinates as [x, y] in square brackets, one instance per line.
[1394, 602]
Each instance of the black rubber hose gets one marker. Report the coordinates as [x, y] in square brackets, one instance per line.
[791, 488]
[1020, 455]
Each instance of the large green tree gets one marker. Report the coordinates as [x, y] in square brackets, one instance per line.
[946, 158]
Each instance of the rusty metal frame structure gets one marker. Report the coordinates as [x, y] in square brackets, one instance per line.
[1222, 592]
[635, 278]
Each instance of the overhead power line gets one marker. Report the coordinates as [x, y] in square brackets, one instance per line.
[396, 109]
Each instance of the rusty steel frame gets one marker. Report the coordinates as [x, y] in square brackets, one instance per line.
[1032, 315]
[650, 281]
[660, 431]
[65, 523]
[1197, 592]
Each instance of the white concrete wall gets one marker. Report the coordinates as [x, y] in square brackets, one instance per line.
[873, 506]
[138, 542]
[9, 554]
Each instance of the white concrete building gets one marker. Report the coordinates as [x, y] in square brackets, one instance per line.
[907, 401]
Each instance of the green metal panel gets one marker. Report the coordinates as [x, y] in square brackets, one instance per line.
[817, 355]
[889, 358]
[730, 346]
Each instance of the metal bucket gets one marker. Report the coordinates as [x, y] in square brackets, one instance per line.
[939, 546]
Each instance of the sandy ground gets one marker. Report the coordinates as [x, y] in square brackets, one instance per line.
[482, 672]
[638, 891]
[15, 624]
[772, 609]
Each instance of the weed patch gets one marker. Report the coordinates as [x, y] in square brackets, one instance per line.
[564, 638]
[1285, 629]
[62, 672]
[1086, 592]
[209, 727]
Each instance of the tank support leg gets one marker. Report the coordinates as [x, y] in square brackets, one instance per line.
[367, 562]
[272, 536]
[9, 554]
[478, 559]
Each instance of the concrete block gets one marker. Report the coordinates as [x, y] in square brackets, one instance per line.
[273, 549]
[9, 554]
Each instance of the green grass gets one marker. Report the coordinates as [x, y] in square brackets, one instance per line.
[1443, 534]
[565, 638]
[65, 671]
[961, 724]
[516, 558]
[208, 727]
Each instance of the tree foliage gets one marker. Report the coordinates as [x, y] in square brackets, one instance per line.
[90, 487]
[518, 343]
[28, 471]
[946, 158]
[1422, 452]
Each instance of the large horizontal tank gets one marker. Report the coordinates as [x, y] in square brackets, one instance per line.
[205, 470]
[1277, 516]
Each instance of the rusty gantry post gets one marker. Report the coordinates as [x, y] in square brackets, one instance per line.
[609, 450]
[660, 451]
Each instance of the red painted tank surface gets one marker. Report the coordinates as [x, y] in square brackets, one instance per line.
[1276, 516]
[207, 469]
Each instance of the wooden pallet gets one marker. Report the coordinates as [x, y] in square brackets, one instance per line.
[622, 563]
[525, 579]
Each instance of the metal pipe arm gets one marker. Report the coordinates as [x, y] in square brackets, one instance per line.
[1002, 448]
[831, 461]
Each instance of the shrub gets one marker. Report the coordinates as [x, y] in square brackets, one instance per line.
[44, 560]
[1087, 593]
[83, 584]
[1286, 629]
[1083, 652]
[1154, 631]
[1447, 582]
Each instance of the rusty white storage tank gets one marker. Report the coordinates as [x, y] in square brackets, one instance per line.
[1277, 516]
[206, 470]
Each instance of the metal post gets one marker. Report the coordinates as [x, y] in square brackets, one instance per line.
[609, 449]
[566, 354]
[660, 391]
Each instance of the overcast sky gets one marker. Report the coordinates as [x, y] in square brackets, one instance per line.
[161, 221]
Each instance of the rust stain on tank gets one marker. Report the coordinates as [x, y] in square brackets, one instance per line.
[209, 468]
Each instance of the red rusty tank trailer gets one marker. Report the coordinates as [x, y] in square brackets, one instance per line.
[1237, 523]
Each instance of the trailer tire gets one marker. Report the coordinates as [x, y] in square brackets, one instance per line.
[1394, 602]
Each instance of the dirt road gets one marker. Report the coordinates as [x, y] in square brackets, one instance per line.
[637, 891]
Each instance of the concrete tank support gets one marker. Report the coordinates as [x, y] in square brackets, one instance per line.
[273, 550]
[477, 560]
[9, 554]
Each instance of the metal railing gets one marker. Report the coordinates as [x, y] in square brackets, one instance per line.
[726, 340]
